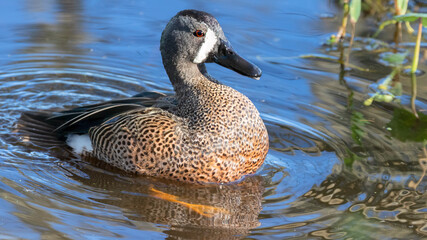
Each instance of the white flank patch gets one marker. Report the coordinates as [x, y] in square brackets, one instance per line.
[207, 46]
[80, 143]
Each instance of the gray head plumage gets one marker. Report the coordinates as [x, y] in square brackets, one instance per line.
[195, 37]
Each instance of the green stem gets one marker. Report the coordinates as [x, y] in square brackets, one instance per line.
[396, 7]
[353, 30]
[397, 34]
[414, 94]
[382, 26]
[389, 78]
[341, 31]
[417, 47]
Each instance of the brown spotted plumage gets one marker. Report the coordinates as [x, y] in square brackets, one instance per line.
[207, 132]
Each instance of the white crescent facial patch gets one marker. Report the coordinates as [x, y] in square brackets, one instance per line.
[207, 46]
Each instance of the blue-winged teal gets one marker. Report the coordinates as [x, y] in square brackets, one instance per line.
[207, 132]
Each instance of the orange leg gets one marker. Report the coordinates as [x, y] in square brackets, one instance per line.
[204, 210]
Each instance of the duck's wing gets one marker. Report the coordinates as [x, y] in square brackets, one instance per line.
[81, 119]
[146, 99]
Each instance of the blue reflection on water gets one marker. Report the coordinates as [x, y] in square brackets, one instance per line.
[59, 54]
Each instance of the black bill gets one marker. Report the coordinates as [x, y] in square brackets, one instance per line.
[228, 58]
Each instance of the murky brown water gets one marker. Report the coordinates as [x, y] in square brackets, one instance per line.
[336, 169]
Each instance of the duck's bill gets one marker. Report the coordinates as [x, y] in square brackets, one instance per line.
[228, 58]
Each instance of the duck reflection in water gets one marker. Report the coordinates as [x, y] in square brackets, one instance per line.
[209, 211]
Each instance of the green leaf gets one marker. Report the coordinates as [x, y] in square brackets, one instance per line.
[351, 158]
[406, 127]
[355, 8]
[379, 98]
[394, 59]
[410, 17]
[368, 102]
[357, 123]
[403, 5]
[388, 98]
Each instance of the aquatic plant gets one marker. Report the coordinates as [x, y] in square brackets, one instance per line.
[386, 91]
[343, 27]
[400, 7]
[351, 10]
[422, 21]
[389, 88]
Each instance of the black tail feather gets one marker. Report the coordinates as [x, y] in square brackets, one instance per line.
[33, 128]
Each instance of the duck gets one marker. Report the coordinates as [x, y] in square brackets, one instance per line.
[206, 133]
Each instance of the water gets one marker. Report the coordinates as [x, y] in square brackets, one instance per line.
[335, 169]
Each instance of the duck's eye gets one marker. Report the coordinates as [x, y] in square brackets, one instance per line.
[199, 33]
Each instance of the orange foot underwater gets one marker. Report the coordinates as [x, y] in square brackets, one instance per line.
[204, 210]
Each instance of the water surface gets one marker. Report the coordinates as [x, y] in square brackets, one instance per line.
[335, 169]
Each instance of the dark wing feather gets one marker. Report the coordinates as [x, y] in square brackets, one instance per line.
[82, 122]
[55, 126]
[81, 119]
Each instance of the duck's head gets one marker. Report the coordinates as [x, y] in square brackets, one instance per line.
[195, 37]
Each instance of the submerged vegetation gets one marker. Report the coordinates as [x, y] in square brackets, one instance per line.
[407, 123]
[388, 89]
